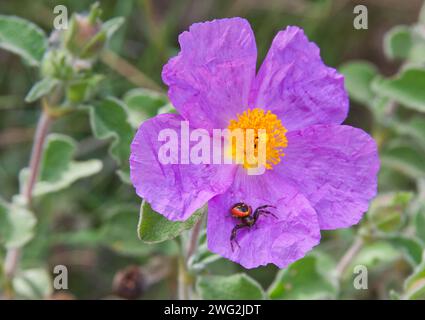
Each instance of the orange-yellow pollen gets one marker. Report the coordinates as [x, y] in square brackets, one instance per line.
[267, 127]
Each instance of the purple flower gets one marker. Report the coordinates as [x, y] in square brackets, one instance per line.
[320, 174]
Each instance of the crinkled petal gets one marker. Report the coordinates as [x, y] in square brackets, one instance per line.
[295, 84]
[210, 79]
[335, 167]
[281, 240]
[174, 190]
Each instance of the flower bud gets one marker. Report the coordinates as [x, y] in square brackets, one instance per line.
[85, 37]
[129, 283]
[56, 64]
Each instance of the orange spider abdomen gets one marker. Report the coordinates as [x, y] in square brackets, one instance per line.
[241, 210]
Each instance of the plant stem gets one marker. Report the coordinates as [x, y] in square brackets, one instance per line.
[128, 71]
[193, 244]
[183, 291]
[13, 254]
[349, 255]
[185, 279]
[37, 151]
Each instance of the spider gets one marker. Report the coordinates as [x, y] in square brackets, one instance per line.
[243, 212]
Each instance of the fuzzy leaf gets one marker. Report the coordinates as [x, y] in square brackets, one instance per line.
[405, 159]
[422, 15]
[307, 278]
[16, 225]
[419, 223]
[387, 211]
[23, 38]
[32, 284]
[40, 89]
[414, 286]
[374, 255]
[235, 287]
[358, 78]
[202, 257]
[109, 120]
[408, 88]
[81, 90]
[398, 42]
[58, 170]
[112, 25]
[414, 128]
[117, 232]
[154, 227]
[411, 247]
[143, 104]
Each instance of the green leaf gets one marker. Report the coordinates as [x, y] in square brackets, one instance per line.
[143, 104]
[387, 211]
[411, 247]
[168, 108]
[235, 287]
[109, 120]
[202, 257]
[407, 88]
[375, 255]
[40, 89]
[398, 42]
[416, 54]
[308, 278]
[405, 159]
[154, 227]
[414, 286]
[358, 78]
[112, 25]
[414, 128]
[119, 233]
[16, 225]
[32, 284]
[422, 15]
[419, 223]
[405, 43]
[23, 38]
[81, 90]
[57, 170]
[380, 107]
[394, 295]
[79, 238]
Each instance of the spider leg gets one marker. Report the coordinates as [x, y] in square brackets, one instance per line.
[267, 212]
[266, 206]
[234, 234]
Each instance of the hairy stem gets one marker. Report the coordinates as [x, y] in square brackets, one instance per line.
[37, 151]
[193, 244]
[183, 290]
[13, 254]
[185, 279]
[128, 71]
[349, 255]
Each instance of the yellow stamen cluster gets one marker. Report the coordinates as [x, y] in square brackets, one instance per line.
[275, 139]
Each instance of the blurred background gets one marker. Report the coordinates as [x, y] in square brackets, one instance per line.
[90, 227]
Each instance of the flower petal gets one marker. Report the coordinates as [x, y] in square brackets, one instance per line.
[335, 167]
[280, 240]
[295, 84]
[210, 79]
[174, 190]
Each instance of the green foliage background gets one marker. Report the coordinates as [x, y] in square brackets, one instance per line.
[85, 215]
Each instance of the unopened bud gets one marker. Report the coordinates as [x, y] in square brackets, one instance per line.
[85, 37]
[129, 283]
